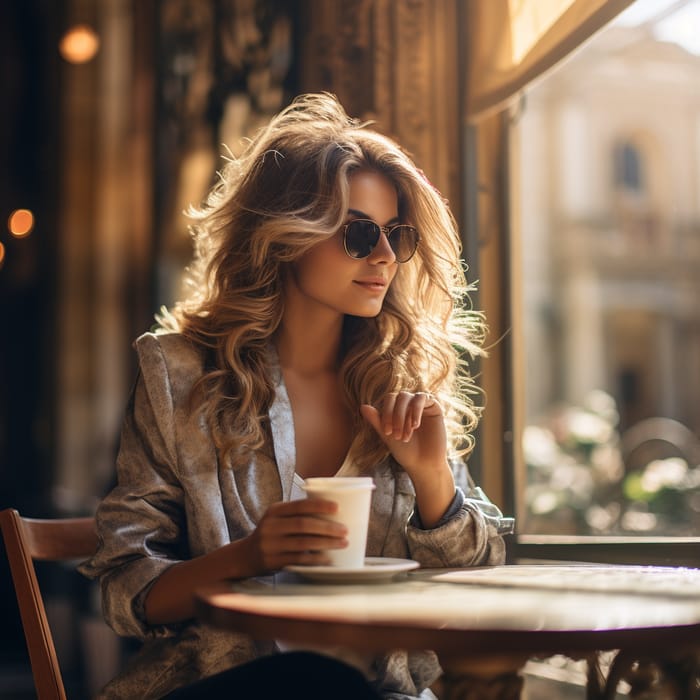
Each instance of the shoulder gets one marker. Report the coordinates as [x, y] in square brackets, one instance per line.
[170, 358]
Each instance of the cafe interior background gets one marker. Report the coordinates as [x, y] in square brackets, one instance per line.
[566, 135]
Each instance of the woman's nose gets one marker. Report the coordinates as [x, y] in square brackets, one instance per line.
[382, 253]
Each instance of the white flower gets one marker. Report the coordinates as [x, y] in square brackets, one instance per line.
[639, 520]
[588, 428]
[602, 404]
[544, 502]
[539, 447]
[664, 472]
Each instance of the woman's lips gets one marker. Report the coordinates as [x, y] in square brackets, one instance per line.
[373, 284]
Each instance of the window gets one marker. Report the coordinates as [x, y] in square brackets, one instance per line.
[627, 164]
[610, 281]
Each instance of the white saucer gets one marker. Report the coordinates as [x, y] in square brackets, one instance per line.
[375, 569]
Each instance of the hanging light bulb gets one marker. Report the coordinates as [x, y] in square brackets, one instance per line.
[79, 44]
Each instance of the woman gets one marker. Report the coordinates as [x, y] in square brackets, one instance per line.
[326, 311]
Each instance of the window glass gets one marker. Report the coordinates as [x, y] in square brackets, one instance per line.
[606, 154]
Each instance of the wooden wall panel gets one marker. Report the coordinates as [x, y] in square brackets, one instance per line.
[396, 63]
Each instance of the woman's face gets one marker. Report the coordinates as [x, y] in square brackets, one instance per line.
[327, 278]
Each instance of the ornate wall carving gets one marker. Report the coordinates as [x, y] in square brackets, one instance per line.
[223, 70]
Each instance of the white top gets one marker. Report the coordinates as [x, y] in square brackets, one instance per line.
[297, 488]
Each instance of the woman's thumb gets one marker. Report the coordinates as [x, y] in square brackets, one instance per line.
[371, 415]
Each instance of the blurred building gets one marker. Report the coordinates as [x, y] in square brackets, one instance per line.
[610, 189]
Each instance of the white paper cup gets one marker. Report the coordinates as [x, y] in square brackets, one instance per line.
[353, 494]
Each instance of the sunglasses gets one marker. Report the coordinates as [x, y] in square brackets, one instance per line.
[361, 236]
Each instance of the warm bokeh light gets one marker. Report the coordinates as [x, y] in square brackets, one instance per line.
[2, 255]
[79, 44]
[20, 223]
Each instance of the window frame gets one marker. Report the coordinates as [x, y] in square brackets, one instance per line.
[492, 248]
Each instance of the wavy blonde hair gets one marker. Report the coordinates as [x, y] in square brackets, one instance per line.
[288, 191]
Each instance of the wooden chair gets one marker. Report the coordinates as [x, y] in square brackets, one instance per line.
[29, 539]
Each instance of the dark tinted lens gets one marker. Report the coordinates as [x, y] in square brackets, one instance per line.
[403, 241]
[360, 237]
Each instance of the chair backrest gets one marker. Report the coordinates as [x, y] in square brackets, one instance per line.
[26, 540]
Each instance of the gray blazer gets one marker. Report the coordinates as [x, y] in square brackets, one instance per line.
[175, 500]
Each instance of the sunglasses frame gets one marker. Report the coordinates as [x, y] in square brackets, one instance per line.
[386, 230]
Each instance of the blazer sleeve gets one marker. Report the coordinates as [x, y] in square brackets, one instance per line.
[141, 522]
[470, 533]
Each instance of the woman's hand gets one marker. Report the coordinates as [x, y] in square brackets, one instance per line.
[289, 533]
[295, 532]
[412, 426]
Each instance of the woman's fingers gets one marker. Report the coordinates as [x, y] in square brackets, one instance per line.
[397, 415]
[298, 532]
[402, 416]
[302, 507]
[306, 525]
[417, 407]
[402, 412]
[304, 543]
[387, 413]
[412, 427]
[307, 516]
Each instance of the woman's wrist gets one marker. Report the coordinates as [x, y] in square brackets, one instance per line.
[239, 560]
[435, 491]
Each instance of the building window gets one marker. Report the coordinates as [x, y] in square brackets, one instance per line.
[628, 172]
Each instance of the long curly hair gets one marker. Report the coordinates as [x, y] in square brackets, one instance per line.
[285, 193]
